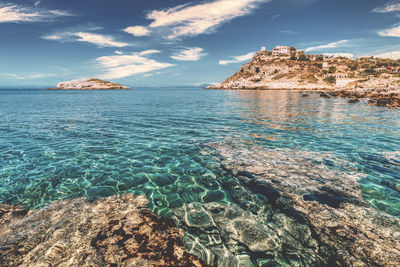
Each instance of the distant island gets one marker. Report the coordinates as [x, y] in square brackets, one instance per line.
[288, 68]
[90, 84]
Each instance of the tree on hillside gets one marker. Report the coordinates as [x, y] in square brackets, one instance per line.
[318, 65]
[319, 58]
[332, 69]
[303, 57]
[353, 66]
[330, 79]
[369, 71]
[293, 49]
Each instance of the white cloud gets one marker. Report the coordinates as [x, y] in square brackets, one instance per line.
[186, 20]
[348, 55]
[120, 66]
[53, 37]
[189, 54]
[275, 16]
[391, 32]
[391, 54]
[390, 7]
[288, 32]
[12, 13]
[238, 59]
[29, 76]
[149, 52]
[98, 39]
[137, 30]
[326, 46]
[88, 37]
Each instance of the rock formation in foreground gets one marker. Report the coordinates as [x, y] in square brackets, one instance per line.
[91, 84]
[298, 212]
[383, 92]
[114, 231]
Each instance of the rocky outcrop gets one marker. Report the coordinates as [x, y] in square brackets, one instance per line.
[384, 92]
[91, 84]
[270, 72]
[114, 231]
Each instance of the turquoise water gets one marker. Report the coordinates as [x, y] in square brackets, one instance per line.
[65, 144]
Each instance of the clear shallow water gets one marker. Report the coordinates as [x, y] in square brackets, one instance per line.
[65, 144]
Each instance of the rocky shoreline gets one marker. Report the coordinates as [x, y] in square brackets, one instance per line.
[376, 97]
[113, 231]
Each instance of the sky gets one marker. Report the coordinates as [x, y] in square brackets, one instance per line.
[177, 42]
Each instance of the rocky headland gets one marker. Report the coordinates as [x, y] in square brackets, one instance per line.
[113, 231]
[290, 68]
[266, 71]
[90, 84]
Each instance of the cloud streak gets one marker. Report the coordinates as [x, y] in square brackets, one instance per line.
[391, 55]
[394, 31]
[237, 59]
[137, 31]
[13, 13]
[348, 55]
[390, 7]
[189, 54]
[120, 66]
[327, 46]
[29, 76]
[192, 20]
[87, 37]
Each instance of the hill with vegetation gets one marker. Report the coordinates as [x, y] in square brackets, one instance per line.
[297, 70]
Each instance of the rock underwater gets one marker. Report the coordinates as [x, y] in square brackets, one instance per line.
[113, 231]
[291, 210]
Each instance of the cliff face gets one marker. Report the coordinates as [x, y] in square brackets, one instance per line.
[269, 72]
[91, 84]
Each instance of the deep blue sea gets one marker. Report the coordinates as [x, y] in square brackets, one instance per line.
[65, 144]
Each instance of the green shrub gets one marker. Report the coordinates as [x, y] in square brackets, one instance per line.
[353, 66]
[303, 57]
[330, 79]
[318, 65]
[332, 69]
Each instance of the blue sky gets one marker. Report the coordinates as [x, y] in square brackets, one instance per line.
[176, 42]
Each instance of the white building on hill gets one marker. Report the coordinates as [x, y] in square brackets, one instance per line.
[285, 50]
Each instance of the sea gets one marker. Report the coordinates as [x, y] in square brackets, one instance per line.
[160, 142]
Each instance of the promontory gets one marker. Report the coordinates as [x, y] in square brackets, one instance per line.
[90, 84]
[288, 68]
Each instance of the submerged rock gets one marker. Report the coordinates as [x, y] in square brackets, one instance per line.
[91, 84]
[354, 100]
[292, 210]
[114, 231]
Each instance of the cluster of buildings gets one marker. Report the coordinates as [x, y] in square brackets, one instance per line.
[278, 50]
[389, 69]
[281, 50]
